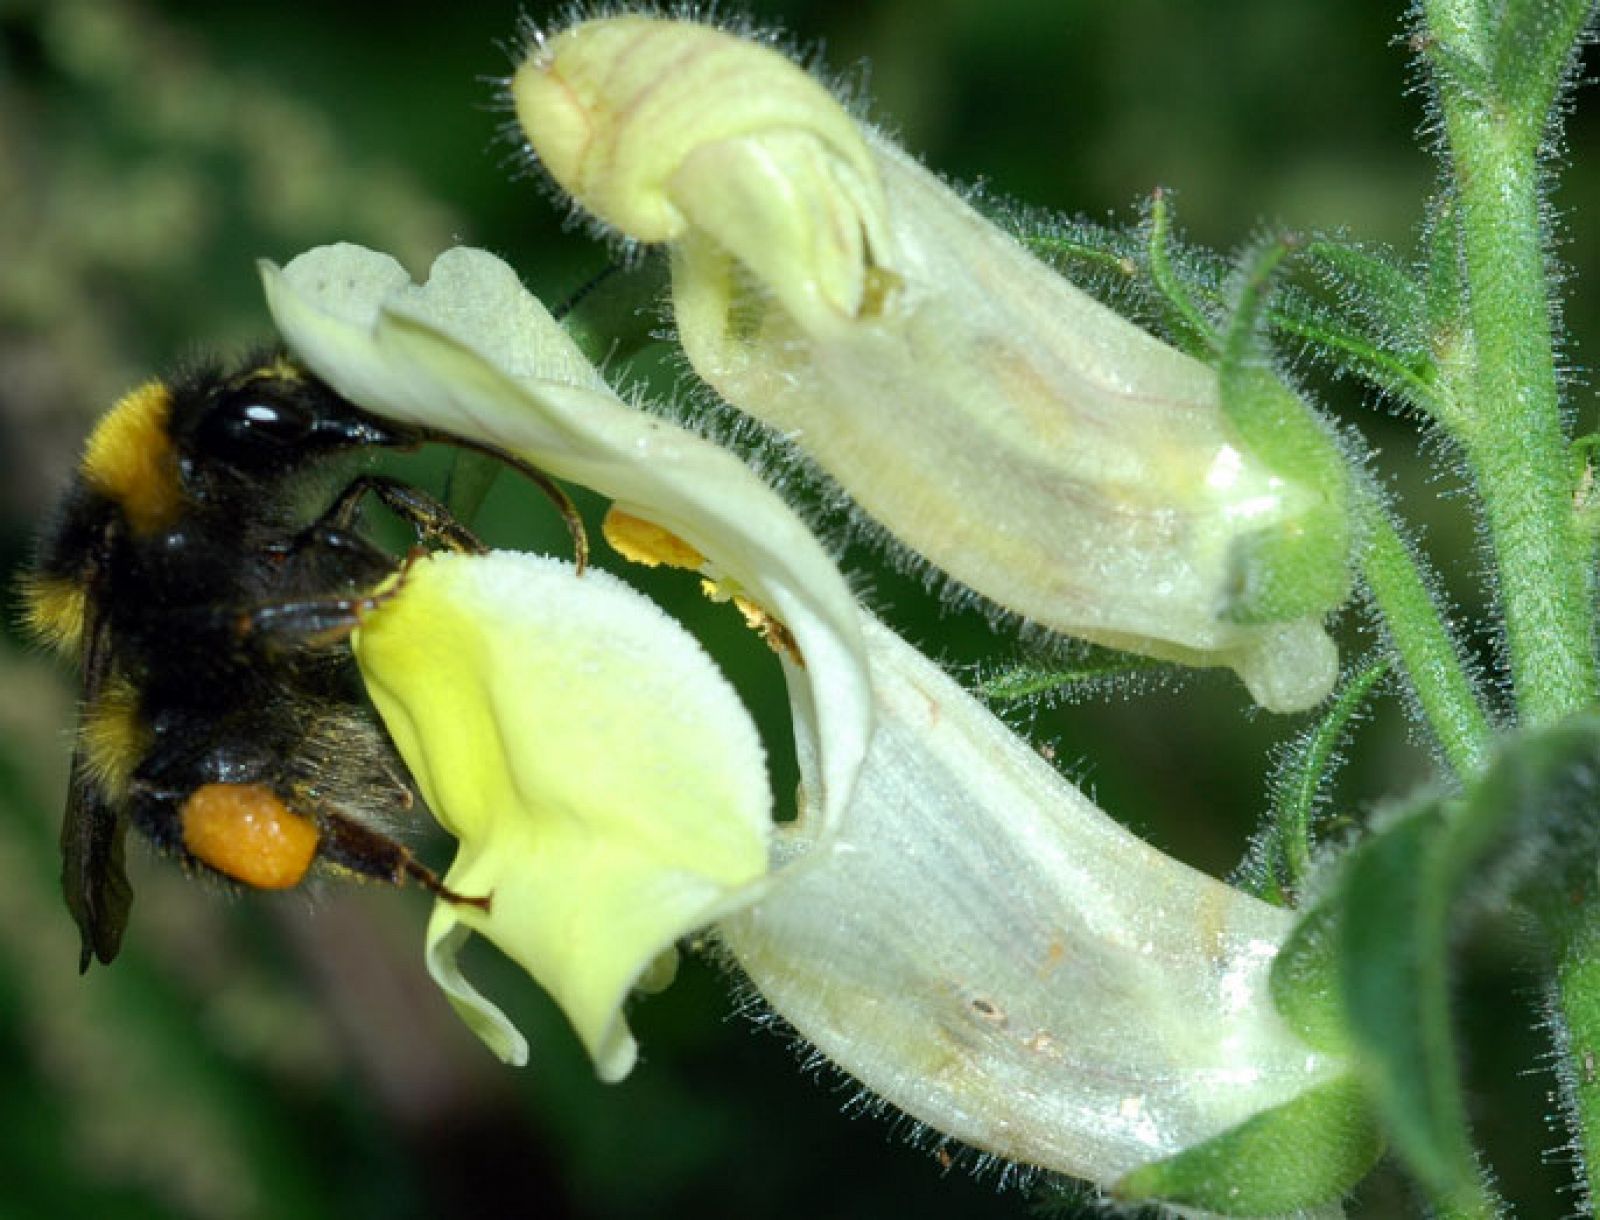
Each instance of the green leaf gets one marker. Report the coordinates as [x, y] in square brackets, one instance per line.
[1307, 1152]
[1306, 983]
[1446, 284]
[1394, 953]
[1535, 820]
[1093, 667]
[1365, 315]
[616, 314]
[1528, 830]
[1372, 284]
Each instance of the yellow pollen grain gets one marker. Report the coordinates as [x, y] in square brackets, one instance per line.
[645, 542]
[778, 637]
[53, 611]
[129, 459]
[113, 738]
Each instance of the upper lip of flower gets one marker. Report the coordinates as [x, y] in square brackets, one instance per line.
[473, 353]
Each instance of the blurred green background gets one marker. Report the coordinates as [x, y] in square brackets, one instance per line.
[279, 1057]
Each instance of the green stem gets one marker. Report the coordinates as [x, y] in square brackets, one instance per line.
[1424, 645]
[1457, 28]
[1498, 70]
[1510, 426]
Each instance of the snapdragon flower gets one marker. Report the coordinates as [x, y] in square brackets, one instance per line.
[474, 354]
[996, 420]
[948, 919]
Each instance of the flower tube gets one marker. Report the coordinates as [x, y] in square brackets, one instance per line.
[998, 421]
[998, 958]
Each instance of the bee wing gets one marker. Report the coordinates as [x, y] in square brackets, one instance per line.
[93, 878]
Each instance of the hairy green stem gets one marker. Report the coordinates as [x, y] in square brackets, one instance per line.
[1426, 650]
[1476, 1202]
[1510, 426]
[1497, 71]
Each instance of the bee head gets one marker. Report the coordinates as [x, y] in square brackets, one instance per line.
[271, 421]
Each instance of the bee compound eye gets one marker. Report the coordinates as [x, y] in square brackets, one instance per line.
[252, 428]
[262, 420]
[246, 832]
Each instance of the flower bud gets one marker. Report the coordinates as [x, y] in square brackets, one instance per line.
[998, 421]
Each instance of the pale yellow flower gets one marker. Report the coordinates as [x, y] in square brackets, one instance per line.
[948, 919]
[452, 660]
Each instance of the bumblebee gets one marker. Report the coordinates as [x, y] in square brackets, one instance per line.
[205, 568]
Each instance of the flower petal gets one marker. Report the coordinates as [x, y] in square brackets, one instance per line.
[473, 353]
[990, 953]
[607, 786]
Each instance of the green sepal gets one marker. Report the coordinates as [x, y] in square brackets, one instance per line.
[1190, 329]
[1306, 1152]
[1279, 863]
[1298, 567]
[1306, 985]
[1301, 566]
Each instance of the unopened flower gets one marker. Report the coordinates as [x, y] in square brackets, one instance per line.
[947, 919]
[998, 421]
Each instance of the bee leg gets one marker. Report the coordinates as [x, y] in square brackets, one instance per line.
[314, 621]
[431, 519]
[549, 487]
[349, 845]
[562, 501]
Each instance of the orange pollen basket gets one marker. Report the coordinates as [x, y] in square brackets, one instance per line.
[246, 832]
